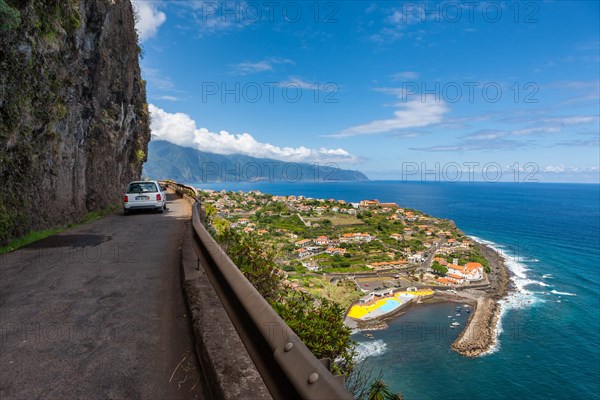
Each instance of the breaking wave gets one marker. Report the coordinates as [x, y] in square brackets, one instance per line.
[371, 348]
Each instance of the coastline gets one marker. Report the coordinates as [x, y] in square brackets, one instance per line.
[481, 331]
[483, 291]
[479, 335]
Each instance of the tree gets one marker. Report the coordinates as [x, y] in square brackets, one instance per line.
[256, 263]
[210, 211]
[439, 269]
[220, 225]
[319, 323]
[380, 391]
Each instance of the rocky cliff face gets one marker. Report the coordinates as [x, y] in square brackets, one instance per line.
[74, 125]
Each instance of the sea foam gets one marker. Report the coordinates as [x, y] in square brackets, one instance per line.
[563, 293]
[370, 348]
[521, 297]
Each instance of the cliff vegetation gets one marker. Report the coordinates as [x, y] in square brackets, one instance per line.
[74, 124]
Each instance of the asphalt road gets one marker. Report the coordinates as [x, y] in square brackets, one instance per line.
[97, 312]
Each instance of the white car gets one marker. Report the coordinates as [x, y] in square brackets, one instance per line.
[144, 195]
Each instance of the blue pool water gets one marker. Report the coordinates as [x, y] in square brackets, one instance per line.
[390, 305]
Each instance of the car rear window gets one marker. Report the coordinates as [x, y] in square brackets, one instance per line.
[142, 187]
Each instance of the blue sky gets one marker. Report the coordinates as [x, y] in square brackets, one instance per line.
[507, 90]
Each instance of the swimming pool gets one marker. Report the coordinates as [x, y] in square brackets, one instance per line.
[389, 305]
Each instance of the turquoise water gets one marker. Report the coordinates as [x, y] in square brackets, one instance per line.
[549, 345]
[389, 305]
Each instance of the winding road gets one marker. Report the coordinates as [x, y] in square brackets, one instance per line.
[98, 312]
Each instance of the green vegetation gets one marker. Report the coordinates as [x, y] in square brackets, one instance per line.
[439, 269]
[318, 321]
[380, 391]
[287, 245]
[256, 263]
[10, 18]
[11, 220]
[387, 233]
[140, 155]
[343, 292]
[29, 238]
[476, 256]
[291, 223]
[40, 66]
[183, 164]
[34, 236]
[473, 255]
[34, 94]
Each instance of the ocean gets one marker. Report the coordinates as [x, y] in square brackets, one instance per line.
[548, 345]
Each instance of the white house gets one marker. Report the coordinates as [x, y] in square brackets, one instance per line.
[322, 240]
[416, 257]
[302, 252]
[473, 271]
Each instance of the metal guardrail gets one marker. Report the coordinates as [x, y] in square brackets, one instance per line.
[287, 367]
[182, 189]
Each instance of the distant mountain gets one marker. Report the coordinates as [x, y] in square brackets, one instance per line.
[169, 161]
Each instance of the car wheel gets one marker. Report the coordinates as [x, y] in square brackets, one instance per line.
[160, 210]
[125, 211]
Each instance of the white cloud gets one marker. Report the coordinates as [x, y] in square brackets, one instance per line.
[215, 17]
[487, 135]
[398, 92]
[573, 120]
[296, 82]
[406, 16]
[168, 98]
[181, 129]
[536, 130]
[249, 67]
[176, 128]
[406, 75]
[555, 168]
[412, 114]
[157, 79]
[560, 168]
[148, 18]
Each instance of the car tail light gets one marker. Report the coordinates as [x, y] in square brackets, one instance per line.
[125, 199]
[158, 198]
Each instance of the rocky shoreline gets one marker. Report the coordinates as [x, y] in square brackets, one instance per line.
[480, 333]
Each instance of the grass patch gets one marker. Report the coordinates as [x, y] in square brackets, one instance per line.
[344, 293]
[337, 220]
[339, 270]
[34, 236]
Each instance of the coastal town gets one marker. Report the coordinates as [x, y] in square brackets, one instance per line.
[372, 257]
